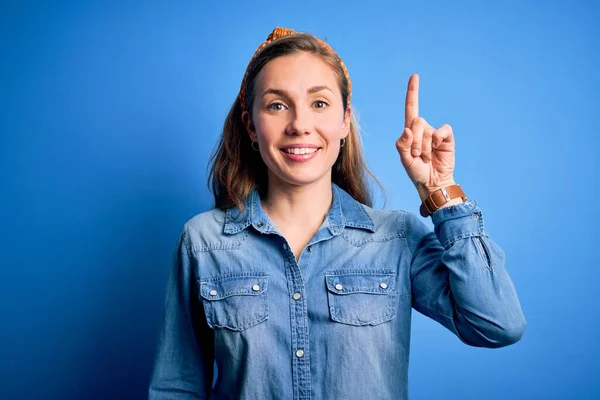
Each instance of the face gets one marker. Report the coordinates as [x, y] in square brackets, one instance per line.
[298, 119]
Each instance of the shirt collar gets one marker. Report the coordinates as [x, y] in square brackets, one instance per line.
[345, 212]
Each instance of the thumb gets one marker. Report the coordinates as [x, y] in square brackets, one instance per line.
[403, 144]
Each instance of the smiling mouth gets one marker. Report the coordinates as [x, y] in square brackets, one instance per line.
[300, 150]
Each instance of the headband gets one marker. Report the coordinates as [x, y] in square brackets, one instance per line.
[277, 34]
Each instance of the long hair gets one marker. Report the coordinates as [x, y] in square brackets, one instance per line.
[235, 168]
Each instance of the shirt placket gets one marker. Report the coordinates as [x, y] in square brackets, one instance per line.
[299, 326]
[299, 311]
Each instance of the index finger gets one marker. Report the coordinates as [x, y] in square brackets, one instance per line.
[411, 110]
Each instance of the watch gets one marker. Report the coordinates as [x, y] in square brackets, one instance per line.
[441, 197]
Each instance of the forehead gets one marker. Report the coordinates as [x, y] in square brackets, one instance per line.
[300, 70]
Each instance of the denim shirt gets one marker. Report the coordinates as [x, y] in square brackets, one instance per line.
[336, 324]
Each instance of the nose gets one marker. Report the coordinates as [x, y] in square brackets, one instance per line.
[300, 124]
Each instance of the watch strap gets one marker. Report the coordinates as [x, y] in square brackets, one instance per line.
[439, 198]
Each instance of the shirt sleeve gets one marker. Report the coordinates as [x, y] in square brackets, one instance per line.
[459, 279]
[183, 368]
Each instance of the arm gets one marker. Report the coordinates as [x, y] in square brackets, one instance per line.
[183, 368]
[458, 278]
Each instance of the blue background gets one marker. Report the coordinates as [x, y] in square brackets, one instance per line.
[108, 114]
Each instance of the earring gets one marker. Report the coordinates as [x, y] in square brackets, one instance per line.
[343, 143]
[252, 145]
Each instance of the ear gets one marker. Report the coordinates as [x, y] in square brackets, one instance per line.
[249, 126]
[347, 122]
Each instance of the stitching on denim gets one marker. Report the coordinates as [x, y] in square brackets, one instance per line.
[349, 321]
[263, 315]
[353, 224]
[245, 325]
[231, 226]
[389, 314]
[219, 246]
[370, 225]
[453, 239]
[457, 210]
[373, 289]
[235, 275]
[373, 238]
[371, 271]
[245, 292]
[366, 290]
[214, 281]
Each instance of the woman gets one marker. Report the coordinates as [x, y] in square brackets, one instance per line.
[293, 284]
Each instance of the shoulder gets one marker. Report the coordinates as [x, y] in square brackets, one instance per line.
[380, 223]
[205, 232]
[399, 221]
[207, 221]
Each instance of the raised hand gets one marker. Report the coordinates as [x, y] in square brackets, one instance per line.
[426, 153]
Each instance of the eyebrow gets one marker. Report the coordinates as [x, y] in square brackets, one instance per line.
[280, 92]
[316, 89]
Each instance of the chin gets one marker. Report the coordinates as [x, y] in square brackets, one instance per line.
[302, 180]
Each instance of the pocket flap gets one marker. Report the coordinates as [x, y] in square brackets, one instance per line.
[220, 288]
[348, 282]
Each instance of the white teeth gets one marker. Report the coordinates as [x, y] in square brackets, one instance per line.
[299, 150]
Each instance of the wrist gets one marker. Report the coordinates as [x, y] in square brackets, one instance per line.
[444, 196]
[452, 202]
[426, 191]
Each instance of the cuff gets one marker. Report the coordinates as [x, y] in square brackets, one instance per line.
[458, 222]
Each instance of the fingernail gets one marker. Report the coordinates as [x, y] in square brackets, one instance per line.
[416, 152]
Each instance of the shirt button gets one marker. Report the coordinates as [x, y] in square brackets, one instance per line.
[383, 285]
[297, 296]
[300, 353]
[260, 224]
[339, 286]
[256, 288]
[309, 249]
[475, 216]
[213, 292]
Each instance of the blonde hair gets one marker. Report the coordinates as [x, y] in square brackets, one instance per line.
[235, 168]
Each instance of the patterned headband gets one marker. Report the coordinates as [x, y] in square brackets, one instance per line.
[277, 34]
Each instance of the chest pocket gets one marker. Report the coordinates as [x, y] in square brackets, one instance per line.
[235, 302]
[361, 297]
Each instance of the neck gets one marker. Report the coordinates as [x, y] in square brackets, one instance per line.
[298, 206]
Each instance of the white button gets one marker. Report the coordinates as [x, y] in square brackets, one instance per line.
[256, 288]
[383, 285]
[213, 292]
[339, 286]
[297, 296]
[300, 353]
[475, 216]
